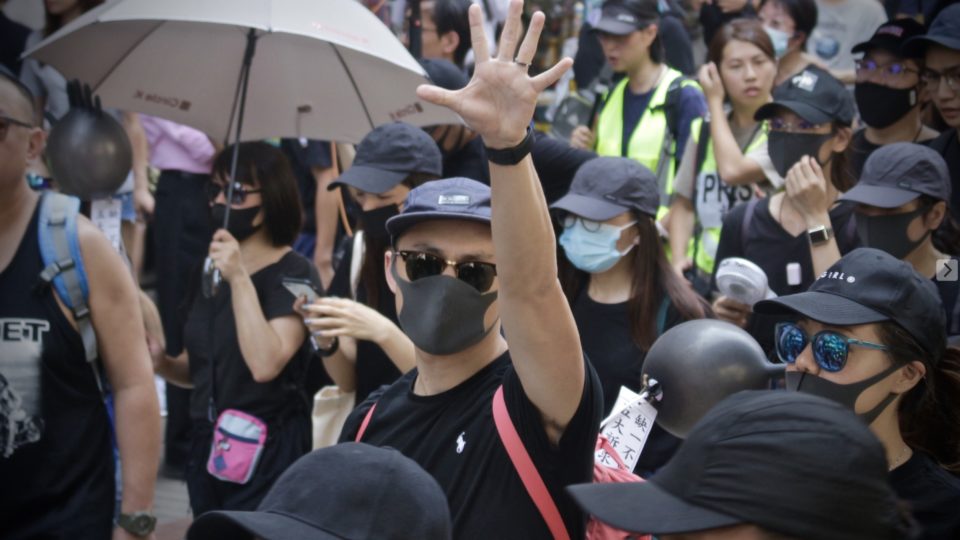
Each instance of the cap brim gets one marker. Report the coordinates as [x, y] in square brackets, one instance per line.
[614, 27]
[879, 196]
[803, 110]
[249, 525]
[821, 306]
[916, 45]
[398, 224]
[588, 207]
[644, 507]
[369, 179]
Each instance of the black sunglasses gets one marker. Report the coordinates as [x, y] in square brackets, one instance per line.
[478, 275]
[240, 192]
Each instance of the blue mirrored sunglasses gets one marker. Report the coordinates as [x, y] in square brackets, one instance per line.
[830, 349]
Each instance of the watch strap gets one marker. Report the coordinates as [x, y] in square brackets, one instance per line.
[511, 156]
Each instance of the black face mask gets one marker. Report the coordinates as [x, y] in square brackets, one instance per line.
[241, 220]
[786, 149]
[844, 394]
[375, 222]
[881, 106]
[889, 233]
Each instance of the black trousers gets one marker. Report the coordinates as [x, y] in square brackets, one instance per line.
[182, 232]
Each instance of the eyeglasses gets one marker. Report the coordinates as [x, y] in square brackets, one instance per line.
[932, 79]
[240, 192]
[889, 72]
[830, 349]
[779, 124]
[569, 220]
[6, 122]
[478, 275]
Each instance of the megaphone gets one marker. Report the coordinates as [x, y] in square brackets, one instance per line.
[696, 364]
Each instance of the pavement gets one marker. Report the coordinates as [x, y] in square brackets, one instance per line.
[171, 506]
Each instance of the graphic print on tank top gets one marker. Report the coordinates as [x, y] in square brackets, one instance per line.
[21, 347]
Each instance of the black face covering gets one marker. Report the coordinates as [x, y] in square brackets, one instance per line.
[844, 394]
[441, 314]
[889, 233]
[881, 106]
[241, 220]
[375, 222]
[786, 149]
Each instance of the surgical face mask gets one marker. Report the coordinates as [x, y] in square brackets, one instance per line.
[787, 148]
[881, 106]
[889, 233]
[442, 315]
[844, 394]
[780, 39]
[375, 221]
[240, 225]
[592, 251]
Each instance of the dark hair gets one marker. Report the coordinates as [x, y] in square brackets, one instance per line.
[261, 164]
[23, 91]
[947, 237]
[372, 269]
[653, 280]
[929, 416]
[55, 22]
[452, 15]
[748, 30]
[841, 176]
[803, 13]
[656, 48]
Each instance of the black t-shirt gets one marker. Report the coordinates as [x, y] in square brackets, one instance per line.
[374, 367]
[933, 494]
[948, 145]
[950, 296]
[860, 149]
[56, 462]
[304, 154]
[210, 324]
[556, 162]
[13, 38]
[609, 346]
[468, 162]
[772, 248]
[452, 435]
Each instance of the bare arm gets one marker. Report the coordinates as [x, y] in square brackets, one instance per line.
[325, 212]
[266, 346]
[498, 104]
[116, 318]
[682, 220]
[806, 188]
[142, 198]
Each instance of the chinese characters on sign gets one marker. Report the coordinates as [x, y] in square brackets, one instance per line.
[627, 429]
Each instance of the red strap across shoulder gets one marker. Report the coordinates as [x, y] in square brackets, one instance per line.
[529, 475]
[366, 421]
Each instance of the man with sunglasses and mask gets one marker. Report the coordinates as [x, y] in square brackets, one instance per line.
[870, 335]
[887, 92]
[467, 263]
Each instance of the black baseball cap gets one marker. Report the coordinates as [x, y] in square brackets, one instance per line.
[450, 198]
[622, 17]
[389, 154]
[814, 95]
[898, 173]
[792, 463]
[944, 30]
[444, 73]
[351, 490]
[868, 285]
[605, 187]
[891, 36]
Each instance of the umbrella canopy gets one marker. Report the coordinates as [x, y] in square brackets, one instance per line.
[322, 69]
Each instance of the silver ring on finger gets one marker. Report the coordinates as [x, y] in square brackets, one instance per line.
[524, 65]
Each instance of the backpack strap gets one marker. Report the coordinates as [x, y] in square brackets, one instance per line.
[745, 224]
[365, 423]
[524, 466]
[63, 267]
[671, 106]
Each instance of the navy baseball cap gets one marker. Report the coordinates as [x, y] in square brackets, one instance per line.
[814, 95]
[350, 490]
[944, 31]
[444, 73]
[605, 187]
[622, 17]
[865, 286]
[389, 154]
[450, 198]
[891, 36]
[758, 457]
[898, 173]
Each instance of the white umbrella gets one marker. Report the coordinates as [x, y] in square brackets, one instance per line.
[322, 69]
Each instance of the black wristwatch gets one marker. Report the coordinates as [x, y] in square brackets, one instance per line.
[511, 156]
[331, 349]
[137, 523]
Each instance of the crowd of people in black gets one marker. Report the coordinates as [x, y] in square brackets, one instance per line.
[479, 298]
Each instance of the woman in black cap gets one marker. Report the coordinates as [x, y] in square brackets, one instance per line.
[799, 232]
[871, 336]
[623, 292]
[902, 209]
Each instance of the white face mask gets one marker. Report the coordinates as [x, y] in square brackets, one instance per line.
[780, 39]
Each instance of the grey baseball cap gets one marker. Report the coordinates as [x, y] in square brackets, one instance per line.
[944, 31]
[389, 154]
[622, 17]
[898, 173]
[608, 186]
[450, 198]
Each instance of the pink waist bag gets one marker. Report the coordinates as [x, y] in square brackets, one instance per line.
[238, 440]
